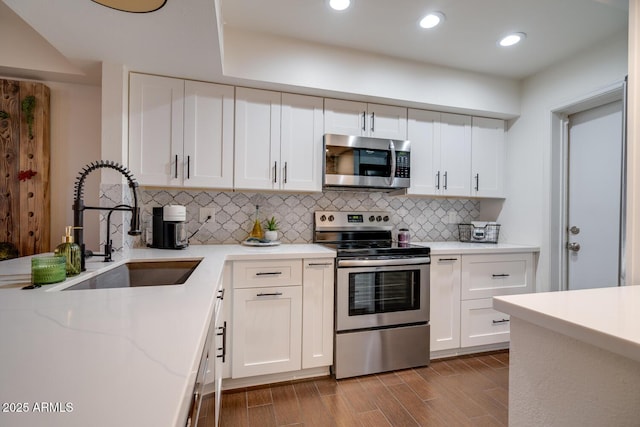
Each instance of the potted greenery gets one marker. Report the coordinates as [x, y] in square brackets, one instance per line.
[272, 229]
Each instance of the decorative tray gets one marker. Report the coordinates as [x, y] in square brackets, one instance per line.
[260, 242]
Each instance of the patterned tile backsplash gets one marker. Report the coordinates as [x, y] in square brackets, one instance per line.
[426, 219]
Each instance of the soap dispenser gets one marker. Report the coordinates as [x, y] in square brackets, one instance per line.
[71, 251]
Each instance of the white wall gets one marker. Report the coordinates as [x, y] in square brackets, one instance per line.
[278, 60]
[525, 214]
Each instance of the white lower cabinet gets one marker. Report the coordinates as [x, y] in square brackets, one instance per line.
[462, 287]
[282, 316]
[445, 302]
[480, 324]
[317, 313]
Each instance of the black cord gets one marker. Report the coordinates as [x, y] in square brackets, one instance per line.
[200, 228]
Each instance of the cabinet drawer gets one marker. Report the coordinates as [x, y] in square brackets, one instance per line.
[480, 324]
[485, 276]
[256, 274]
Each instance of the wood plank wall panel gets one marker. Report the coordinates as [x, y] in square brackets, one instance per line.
[25, 205]
[9, 162]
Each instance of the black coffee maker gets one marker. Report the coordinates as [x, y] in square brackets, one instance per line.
[169, 227]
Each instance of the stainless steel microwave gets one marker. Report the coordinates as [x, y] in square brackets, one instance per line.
[358, 162]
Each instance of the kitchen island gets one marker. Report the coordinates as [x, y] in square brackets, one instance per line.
[574, 357]
[111, 357]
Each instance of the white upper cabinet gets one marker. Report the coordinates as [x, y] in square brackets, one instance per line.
[361, 119]
[440, 153]
[180, 132]
[488, 150]
[278, 141]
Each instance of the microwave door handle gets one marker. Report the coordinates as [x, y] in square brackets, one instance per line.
[392, 148]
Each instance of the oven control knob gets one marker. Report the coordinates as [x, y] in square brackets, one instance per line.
[372, 218]
[331, 218]
[386, 218]
[323, 218]
[378, 218]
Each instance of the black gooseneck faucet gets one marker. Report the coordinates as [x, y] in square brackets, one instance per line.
[79, 207]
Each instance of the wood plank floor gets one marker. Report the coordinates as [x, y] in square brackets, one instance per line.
[463, 391]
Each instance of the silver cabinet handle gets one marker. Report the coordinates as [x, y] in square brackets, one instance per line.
[188, 167]
[498, 322]
[447, 259]
[373, 122]
[319, 264]
[269, 273]
[496, 276]
[269, 294]
[284, 173]
[275, 172]
[364, 121]
[477, 181]
[438, 180]
[445, 181]
[176, 172]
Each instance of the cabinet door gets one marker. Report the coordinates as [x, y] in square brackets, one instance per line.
[480, 324]
[257, 139]
[485, 276]
[423, 130]
[317, 313]
[455, 157]
[208, 135]
[445, 302]
[487, 157]
[301, 153]
[345, 117]
[267, 328]
[156, 106]
[387, 121]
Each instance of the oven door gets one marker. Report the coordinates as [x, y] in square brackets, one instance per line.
[381, 293]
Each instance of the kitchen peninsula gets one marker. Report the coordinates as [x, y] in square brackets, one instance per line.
[112, 357]
[574, 357]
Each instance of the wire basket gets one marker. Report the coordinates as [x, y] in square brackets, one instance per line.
[474, 234]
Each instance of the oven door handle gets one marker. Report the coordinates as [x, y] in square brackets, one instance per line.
[383, 262]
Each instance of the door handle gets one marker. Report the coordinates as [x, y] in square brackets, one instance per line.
[574, 230]
[574, 247]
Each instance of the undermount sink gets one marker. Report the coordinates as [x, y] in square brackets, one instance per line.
[140, 273]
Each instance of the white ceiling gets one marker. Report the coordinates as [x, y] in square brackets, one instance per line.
[182, 38]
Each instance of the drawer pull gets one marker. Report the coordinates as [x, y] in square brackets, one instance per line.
[270, 273]
[319, 264]
[498, 322]
[447, 259]
[495, 276]
[269, 294]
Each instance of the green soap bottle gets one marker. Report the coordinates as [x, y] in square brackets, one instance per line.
[71, 251]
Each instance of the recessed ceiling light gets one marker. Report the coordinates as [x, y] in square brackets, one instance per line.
[512, 39]
[339, 4]
[431, 20]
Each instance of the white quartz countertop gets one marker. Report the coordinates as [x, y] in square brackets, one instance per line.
[111, 357]
[608, 318]
[461, 248]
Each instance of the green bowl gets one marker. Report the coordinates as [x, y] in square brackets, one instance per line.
[48, 269]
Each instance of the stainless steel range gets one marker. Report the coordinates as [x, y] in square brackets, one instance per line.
[381, 295]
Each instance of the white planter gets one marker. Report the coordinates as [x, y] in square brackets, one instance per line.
[271, 235]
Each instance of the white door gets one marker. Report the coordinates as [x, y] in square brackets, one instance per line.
[345, 117]
[387, 121]
[301, 154]
[257, 139]
[487, 157]
[455, 155]
[594, 193]
[444, 315]
[423, 130]
[208, 135]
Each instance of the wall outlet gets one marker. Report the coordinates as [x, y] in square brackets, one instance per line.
[453, 217]
[205, 212]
